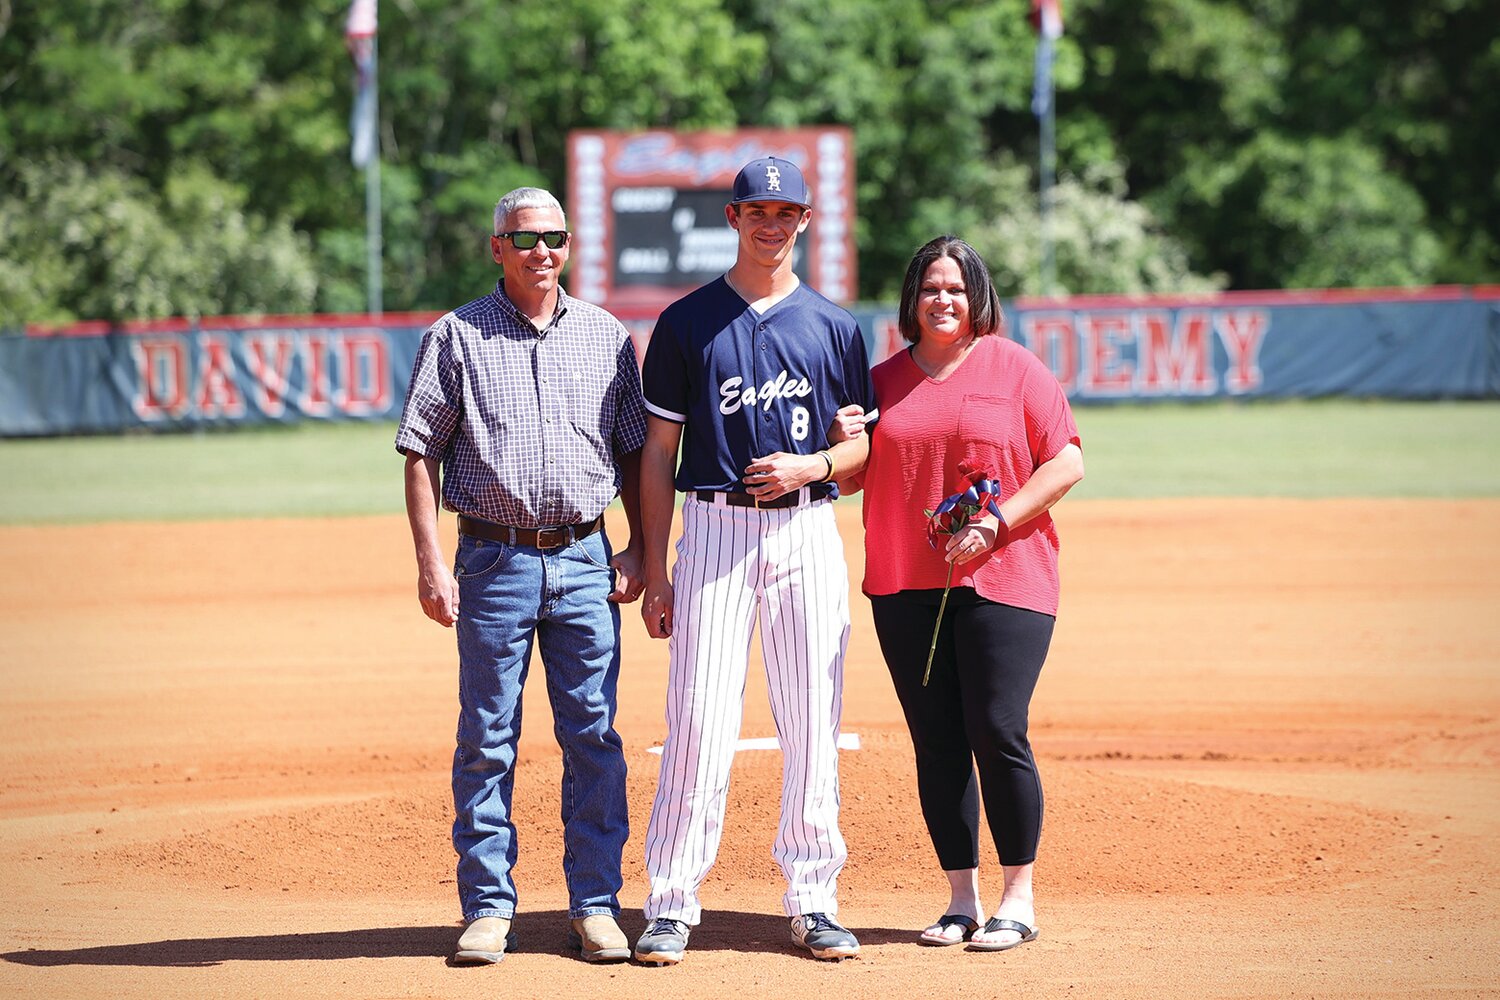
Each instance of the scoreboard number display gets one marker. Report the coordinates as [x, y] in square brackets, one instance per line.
[647, 211]
[671, 237]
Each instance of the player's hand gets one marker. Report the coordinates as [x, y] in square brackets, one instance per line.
[780, 473]
[629, 582]
[972, 542]
[438, 591]
[656, 608]
[848, 424]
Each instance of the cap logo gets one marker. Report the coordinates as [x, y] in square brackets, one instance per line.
[773, 178]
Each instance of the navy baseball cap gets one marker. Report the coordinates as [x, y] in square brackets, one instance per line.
[770, 178]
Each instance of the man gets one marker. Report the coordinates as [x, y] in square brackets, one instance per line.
[530, 401]
[746, 373]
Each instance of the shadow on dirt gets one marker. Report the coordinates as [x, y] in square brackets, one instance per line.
[539, 932]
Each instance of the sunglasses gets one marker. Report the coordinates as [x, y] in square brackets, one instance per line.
[523, 240]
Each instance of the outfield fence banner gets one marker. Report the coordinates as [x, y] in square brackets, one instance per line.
[1396, 344]
[1436, 343]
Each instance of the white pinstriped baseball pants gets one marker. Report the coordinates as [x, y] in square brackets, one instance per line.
[736, 565]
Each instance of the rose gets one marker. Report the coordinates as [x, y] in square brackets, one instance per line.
[952, 516]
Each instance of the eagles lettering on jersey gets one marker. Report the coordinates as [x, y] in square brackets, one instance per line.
[745, 384]
[778, 388]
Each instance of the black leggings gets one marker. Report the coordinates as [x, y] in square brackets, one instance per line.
[973, 710]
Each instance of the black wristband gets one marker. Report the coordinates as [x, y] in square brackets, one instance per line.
[827, 476]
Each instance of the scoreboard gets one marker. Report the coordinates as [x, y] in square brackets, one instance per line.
[647, 211]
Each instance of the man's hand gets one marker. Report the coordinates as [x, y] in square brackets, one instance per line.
[656, 608]
[436, 587]
[848, 424]
[438, 591]
[628, 579]
[779, 473]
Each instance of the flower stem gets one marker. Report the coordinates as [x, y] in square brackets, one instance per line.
[938, 625]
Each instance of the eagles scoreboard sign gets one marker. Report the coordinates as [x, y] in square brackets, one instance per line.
[647, 211]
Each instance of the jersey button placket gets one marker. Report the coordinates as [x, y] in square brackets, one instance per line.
[757, 376]
[764, 377]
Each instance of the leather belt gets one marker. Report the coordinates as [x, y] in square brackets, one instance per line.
[537, 538]
[793, 499]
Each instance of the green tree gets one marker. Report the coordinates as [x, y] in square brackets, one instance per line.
[1310, 214]
[1102, 241]
[1270, 142]
[939, 98]
[1295, 143]
[253, 90]
[476, 101]
[1420, 85]
[84, 243]
[932, 91]
[157, 156]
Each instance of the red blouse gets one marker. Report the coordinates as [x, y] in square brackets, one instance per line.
[1003, 413]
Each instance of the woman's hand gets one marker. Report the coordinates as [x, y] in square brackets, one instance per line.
[848, 424]
[973, 541]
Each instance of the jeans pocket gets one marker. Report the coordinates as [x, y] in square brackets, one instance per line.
[595, 550]
[477, 557]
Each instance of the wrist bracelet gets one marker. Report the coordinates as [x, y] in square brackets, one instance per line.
[828, 476]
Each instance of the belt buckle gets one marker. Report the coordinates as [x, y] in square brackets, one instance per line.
[562, 533]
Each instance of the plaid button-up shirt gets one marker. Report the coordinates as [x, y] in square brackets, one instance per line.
[527, 424]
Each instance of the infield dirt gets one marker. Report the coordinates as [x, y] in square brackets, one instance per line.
[1268, 732]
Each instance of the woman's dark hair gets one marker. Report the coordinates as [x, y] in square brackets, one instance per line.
[985, 316]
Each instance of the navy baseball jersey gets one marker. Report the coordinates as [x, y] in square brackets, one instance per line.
[747, 384]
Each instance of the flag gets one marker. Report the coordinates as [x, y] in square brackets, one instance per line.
[359, 37]
[1046, 18]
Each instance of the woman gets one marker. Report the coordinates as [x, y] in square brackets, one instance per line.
[962, 404]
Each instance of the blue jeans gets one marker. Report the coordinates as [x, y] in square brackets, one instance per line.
[509, 597]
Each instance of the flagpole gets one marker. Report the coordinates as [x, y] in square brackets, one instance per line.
[1046, 18]
[374, 285]
[1048, 176]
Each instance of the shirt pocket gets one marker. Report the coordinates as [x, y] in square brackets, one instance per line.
[985, 418]
[589, 399]
[985, 423]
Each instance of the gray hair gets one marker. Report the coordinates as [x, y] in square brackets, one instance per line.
[527, 197]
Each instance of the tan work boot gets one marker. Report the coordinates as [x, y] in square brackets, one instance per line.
[484, 941]
[599, 938]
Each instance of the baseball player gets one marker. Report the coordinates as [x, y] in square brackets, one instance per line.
[746, 374]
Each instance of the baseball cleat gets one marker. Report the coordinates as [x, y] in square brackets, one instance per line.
[823, 936]
[663, 943]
